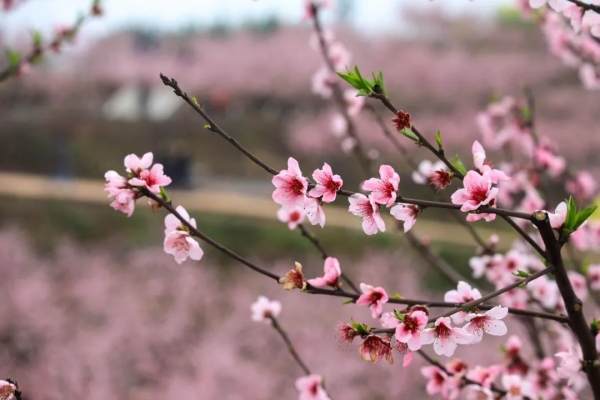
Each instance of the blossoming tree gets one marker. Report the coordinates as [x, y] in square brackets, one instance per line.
[533, 280]
[542, 279]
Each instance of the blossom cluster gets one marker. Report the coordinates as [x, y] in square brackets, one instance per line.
[572, 34]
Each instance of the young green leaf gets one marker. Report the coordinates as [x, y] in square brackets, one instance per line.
[582, 216]
[438, 139]
[458, 164]
[410, 134]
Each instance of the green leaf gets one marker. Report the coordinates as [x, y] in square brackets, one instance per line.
[356, 80]
[438, 139]
[397, 296]
[349, 301]
[521, 274]
[526, 113]
[14, 58]
[410, 134]
[37, 39]
[571, 213]
[458, 164]
[164, 195]
[583, 215]
[399, 316]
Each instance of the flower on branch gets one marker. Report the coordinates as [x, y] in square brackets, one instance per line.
[178, 240]
[516, 387]
[485, 376]
[263, 309]
[444, 337]
[463, 294]
[483, 166]
[557, 219]
[290, 187]
[375, 348]
[477, 192]
[311, 388]
[291, 218]
[383, 190]
[402, 120]
[7, 390]
[426, 169]
[123, 197]
[409, 329]
[556, 5]
[294, 279]
[346, 333]
[327, 185]
[331, 275]
[488, 322]
[583, 186]
[407, 213]
[314, 211]
[365, 207]
[437, 380]
[374, 297]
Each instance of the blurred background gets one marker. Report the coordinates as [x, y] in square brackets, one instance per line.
[92, 308]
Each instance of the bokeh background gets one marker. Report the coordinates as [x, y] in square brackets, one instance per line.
[91, 307]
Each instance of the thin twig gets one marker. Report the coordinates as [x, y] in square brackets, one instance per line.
[289, 345]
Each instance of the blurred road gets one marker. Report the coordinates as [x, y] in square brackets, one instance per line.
[214, 199]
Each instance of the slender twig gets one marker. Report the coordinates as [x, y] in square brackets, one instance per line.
[338, 93]
[586, 6]
[573, 304]
[169, 207]
[289, 345]
[312, 290]
[495, 294]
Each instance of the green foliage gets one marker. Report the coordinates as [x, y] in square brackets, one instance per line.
[364, 86]
[410, 134]
[13, 58]
[575, 218]
[438, 139]
[458, 164]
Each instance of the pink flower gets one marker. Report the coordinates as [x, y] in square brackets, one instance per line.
[406, 213]
[384, 189]
[263, 309]
[374, 297]
[290, 187]
[583, 187]
[389, 320]
[556, 5]
[463, 294]
[485, 376]
[426, 170]
[482, 165]
[444, 337]
[365, 207]
[594, 276]
[339, 55]
[544, 290]
[575, 15]
[489, 322]
[327, 184]
[291, 218]
[311, 388]
[570, 365]
[314, 211]
[346, 333]
[7, 390]
[409, 329]
[293, 279]
[322, 82]
[591, 19]
[550, 161]
[135, 165]
[125, 202]
[330, 276]
[115, 183]
[436, 380]
[557, 220]
[477, 192]
[152, 179]
[516, 387]
[375, 348]
[178, 240]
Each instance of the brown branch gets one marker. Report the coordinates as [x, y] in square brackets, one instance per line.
[586, 6]
[289, 345]
[573, 304]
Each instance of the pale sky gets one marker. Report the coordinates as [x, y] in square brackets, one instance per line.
[371, 16]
